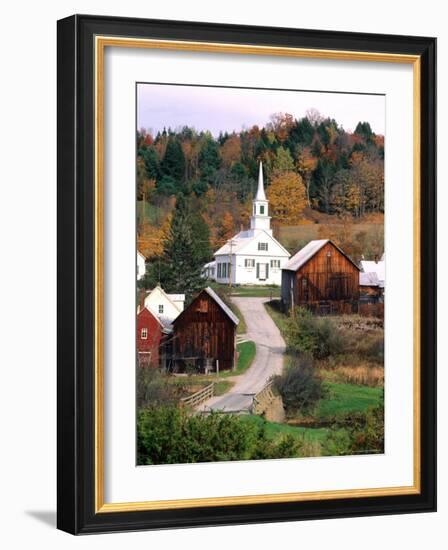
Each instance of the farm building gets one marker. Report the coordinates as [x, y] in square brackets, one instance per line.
[254, 256]
[204, 334]
[371, 289]
[150, 333]
[322, 277]
[166, 307]
[141, 265]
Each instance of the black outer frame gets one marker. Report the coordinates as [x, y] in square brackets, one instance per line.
[75, 272]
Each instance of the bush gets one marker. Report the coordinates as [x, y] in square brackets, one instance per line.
[168, 435]
[299, 386]
[153, 388]
[315, 336]
[357, 433]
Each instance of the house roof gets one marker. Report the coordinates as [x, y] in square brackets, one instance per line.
[141, 310]
[243, 238]
[368, 279]
[374, 267]
[177, 297]
[308, 251]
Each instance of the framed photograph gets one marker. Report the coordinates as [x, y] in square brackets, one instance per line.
[246, 274]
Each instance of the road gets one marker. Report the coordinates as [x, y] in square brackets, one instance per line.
[268, 360]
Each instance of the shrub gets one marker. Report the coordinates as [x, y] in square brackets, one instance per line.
[299, 386]
[153, 388]
[168, 435]
[315, 336]
[357, 433]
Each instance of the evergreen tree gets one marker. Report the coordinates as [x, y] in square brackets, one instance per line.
[173, 163]
[180, 269]
[200, 232]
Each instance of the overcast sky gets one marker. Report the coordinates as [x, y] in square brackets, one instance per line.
[229, 109]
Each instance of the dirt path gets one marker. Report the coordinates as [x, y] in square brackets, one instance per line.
[268, 360]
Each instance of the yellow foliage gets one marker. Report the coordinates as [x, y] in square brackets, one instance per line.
[287, 198]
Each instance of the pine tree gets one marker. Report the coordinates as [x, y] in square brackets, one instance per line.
[180, 269]
[173, 163]
[200, 232]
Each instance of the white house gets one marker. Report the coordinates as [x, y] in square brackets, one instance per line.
[209, 271]
[253, 256]
[141, 265]
[165, 307]
[377, 268]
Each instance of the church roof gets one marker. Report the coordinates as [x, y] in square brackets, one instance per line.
[260, 191]
[243, 238]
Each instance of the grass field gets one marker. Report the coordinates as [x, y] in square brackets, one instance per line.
[256, 291]
[274, 429]
[311, 231]
[347, 398]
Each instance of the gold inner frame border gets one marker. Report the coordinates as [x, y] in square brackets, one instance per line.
[100, 44]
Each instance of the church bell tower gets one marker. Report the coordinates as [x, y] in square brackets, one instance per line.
[260, 219]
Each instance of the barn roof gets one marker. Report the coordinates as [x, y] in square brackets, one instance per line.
[308, 251]
[222, 305]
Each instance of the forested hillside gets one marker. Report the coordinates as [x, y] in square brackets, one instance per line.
[314, 170]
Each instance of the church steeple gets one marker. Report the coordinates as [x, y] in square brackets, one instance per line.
[260, 191]
[260, 218]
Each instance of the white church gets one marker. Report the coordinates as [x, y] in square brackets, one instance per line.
[251, 257]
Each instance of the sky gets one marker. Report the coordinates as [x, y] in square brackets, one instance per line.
[231, 109]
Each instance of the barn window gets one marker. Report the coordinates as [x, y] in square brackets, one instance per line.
[160, 308]
[144, 334]
[275, 263]
[202, 306]
[262, 246]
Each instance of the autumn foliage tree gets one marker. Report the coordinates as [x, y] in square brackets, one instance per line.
[287, 198]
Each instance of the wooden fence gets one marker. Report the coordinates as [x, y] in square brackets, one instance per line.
[198, 397]
[262, 399]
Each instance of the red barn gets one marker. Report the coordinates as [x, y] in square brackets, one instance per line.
[204, 334]
[149, 336]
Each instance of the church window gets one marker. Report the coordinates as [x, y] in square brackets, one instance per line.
[263, 246]
[261, 209]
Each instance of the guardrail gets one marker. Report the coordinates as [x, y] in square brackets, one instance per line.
[198, 397]
[262, 399]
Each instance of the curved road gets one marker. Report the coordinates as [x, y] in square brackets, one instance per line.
[268, 360]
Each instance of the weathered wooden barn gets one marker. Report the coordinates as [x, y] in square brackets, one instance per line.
[322, 278]
[204, 333]
[150, 333]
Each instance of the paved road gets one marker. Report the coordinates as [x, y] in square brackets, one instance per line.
[270, 348]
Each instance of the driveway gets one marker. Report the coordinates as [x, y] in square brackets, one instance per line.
[268, 360]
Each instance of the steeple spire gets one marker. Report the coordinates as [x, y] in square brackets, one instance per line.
[260, 219]
[260, 191]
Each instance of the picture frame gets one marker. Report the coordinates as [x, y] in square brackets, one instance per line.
[82, 41]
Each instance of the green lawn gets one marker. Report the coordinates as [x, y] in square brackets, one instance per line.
[256, 291]
[274, 429]
[346, 398]
[242, 327]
